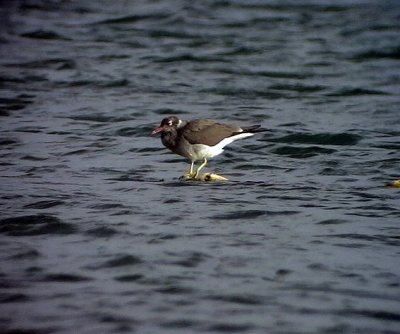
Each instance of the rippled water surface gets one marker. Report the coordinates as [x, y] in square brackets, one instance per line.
[97, 233]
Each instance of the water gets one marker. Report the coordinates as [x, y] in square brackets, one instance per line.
[99, 236]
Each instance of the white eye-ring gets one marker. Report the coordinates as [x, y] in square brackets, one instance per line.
[170, 123]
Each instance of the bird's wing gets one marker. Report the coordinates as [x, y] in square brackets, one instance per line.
[207, 132]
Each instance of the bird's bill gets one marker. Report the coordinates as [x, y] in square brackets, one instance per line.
[157, 130]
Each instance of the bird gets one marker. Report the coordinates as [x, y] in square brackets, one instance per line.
[200, 139]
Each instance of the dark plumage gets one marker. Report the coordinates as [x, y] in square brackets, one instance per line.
[200, 139]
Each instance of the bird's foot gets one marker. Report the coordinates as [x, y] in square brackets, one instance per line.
[188, 176]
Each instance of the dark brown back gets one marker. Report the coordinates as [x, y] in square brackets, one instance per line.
[207, 132]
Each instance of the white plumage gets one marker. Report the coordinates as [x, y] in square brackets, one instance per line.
[200, 151]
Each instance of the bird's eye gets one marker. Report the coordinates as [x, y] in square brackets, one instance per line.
[170, 123]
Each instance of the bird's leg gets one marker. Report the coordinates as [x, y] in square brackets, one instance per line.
[200, 167]
[191, 173]
[191, 169]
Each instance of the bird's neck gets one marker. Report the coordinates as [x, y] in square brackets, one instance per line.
[169, 139]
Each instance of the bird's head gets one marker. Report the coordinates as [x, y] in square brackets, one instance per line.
[168, 124]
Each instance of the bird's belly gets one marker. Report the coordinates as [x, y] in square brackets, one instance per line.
[199, 151]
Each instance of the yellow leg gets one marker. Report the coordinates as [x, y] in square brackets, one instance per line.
[190, 174]
[191, 168]
[200, 167]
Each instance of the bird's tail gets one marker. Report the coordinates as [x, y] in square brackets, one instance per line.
[254, 129]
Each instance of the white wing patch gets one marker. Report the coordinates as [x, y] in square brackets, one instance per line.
[229, 140]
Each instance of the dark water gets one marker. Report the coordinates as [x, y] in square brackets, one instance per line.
[98, 235]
